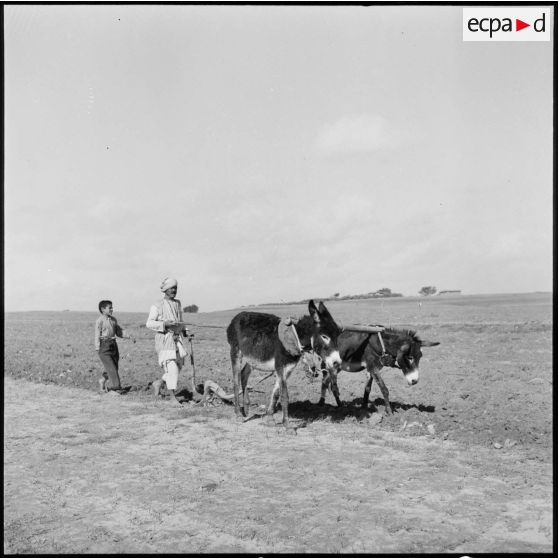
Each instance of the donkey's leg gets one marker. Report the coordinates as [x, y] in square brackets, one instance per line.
[283, 375]
[235, 361]
[244, 375]
[367, 388]
[383, 389]
[334, 387]
[273, 400]
[325, 385]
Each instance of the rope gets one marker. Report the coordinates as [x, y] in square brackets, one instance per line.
[206, 326]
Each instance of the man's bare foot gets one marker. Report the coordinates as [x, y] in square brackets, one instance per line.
[172, 398]
[156, 385]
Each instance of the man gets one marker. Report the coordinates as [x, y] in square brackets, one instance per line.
[165, 318]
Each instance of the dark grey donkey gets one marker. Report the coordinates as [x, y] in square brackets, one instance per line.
[397, 348]
[255, 342]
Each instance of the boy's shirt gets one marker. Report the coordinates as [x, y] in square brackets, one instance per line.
[106, 327]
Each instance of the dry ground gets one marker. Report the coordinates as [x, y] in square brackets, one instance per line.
[91, 473]
[86, 473]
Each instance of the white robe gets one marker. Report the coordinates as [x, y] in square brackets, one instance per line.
[168, 344]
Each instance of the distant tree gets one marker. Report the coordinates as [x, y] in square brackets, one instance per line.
[192, 309]
[335, 295]
[383, 292]
[427, 291]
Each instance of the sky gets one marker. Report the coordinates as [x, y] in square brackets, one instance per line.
[269, 153]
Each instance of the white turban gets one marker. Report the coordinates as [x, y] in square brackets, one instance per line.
[167, 283]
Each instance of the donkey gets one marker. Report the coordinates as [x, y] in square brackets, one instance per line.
[395, 348]
[255, 342]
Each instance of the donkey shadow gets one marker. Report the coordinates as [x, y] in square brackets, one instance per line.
[310, 412]
[396, 406]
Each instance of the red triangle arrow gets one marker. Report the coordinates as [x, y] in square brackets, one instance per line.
[519, 25]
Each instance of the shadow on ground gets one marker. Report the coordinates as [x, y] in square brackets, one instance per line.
[309, 412]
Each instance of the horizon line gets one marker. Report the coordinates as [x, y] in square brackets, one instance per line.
[301, 302]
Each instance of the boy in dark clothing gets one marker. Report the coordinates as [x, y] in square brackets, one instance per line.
[106, 332]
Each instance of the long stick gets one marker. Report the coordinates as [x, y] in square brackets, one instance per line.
[265, 378]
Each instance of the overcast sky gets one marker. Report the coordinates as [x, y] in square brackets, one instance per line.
[268, 153]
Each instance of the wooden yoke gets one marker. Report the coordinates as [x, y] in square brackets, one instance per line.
[361, 328]
[351, 327]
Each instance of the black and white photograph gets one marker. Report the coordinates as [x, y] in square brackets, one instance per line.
[278, 278]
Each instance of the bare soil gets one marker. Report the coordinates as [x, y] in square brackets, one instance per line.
[464, 465]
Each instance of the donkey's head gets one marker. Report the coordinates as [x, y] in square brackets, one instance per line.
[324, 335]
[409, 354]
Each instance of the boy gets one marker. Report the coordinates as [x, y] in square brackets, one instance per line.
[106, 332]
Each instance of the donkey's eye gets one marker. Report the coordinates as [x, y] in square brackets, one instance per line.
[325, 338]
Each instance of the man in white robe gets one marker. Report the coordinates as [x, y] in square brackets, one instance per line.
[165, 318]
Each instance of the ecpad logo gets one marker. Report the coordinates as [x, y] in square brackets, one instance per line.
[507, 24]
[494, 24]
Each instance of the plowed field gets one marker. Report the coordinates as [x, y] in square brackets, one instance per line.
[464, 464]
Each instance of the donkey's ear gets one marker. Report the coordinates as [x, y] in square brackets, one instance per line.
[429, 343]
[314, 312]
[324, 312]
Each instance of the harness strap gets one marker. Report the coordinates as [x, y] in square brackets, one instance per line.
[298, 343]
[291, 322]
[392, 362]
[382, 344]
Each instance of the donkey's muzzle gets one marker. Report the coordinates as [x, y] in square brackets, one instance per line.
[412, 377]
[333, 360]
